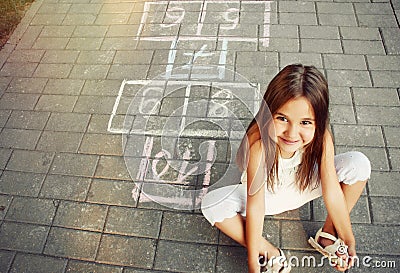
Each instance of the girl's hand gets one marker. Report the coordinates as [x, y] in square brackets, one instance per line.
[348, 259]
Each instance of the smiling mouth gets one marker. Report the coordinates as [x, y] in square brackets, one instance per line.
[289, 142]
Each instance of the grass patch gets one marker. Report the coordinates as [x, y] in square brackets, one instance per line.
[11, 13]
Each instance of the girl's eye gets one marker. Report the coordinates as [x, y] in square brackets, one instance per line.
[281, 118]
[306, 122]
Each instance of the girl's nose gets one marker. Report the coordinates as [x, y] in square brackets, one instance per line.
[292, 130]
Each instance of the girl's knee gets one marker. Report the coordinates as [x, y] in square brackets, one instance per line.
[353, 167]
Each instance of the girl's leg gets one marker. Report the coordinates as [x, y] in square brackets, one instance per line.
[351, 194]
[235, 228]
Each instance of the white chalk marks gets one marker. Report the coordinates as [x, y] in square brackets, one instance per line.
[182, 129]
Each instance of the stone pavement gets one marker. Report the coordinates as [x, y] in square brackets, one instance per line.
[79, 194]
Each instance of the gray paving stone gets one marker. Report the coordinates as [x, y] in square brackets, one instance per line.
[281, 45]
[19, 138]
[26, 55]
[60, 56]
[360, 33]
[392, 40]
[193, 228]
[65, 187]
[376, 97]
[117, 8]
[377, 20]
[4, 115]
[386, 78]
[381, 184]
[59, 141]
[50, 42]
[73, 19]
[71, 243]
[16, 70]
[101, 144]
[63, 87]
[319, 32]
[30, 161]
[5, 201]
[84, 43]
[24, 237]
[335, 8]
[383, 62]
[294, 235]
[343, 61]
[90, 31]
[299, 19]
[89, 71]
[387, 244]
[133, 222]
[54, 8]
[27, 85]
[111, 192]
[4, 83]
[15, 101]
[373, 8]
[74, 164]
[4, 157]
[68, 122]
[127, 71]
[256, 58]
[320, 46]
[45, 19]
[304, 58]
[231, 259]
[37, 264]
[121, 43]
[295, 7]
[371, 115]
[81, 8]
[21, 183]
[57, 31]
[56, 103]
[94, 105]
[96, 57]
[101, 87]
[98, 123]
[391, 136]
[342, 114]
[340, 95]
[340, 20]
[84, 216]
[31, 210]
[28, 120]
[129, 251]
[394, 157]
[82, 267]
[187, 257]
[122, 30]
[366, 135]
[112, 167]
[380, 207]
[136, 57]
[350, 78]
[6, 257]
[363, 47]
[29, 37]
[359, 214]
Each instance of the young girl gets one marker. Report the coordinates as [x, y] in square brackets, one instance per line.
[287, 158]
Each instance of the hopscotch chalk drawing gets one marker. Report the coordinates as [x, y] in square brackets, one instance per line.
[182, 128]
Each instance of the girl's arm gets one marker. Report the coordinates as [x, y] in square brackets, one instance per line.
[333, 194]
[255, 208]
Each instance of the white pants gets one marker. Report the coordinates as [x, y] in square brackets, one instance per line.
[228, 201]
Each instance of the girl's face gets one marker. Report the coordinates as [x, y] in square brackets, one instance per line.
[294, 126]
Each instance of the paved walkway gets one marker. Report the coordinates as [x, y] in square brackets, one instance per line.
[77, 75]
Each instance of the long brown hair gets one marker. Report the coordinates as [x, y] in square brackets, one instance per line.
[291, 82]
